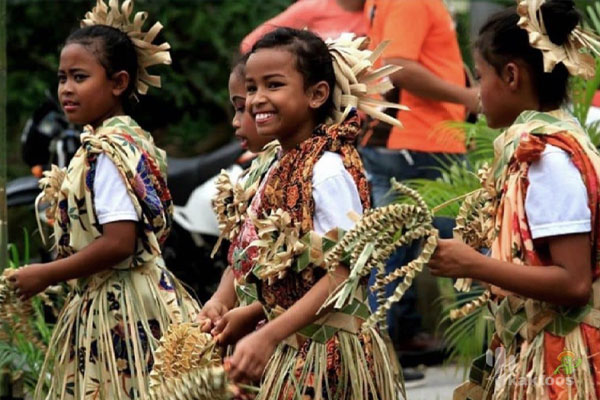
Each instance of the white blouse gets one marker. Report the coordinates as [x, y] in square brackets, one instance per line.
[556, 202]
[111, 199]
[335, 194]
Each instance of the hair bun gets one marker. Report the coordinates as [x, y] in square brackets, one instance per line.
[560, 18]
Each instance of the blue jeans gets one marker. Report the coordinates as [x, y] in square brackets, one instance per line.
[404, 320]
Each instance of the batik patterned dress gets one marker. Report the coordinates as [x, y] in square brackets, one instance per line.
[540, 350]
[104, 341]
[331, 358]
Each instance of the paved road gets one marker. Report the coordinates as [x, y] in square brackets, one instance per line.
[439, 384]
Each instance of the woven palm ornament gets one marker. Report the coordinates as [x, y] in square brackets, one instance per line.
[148, 54]
[371, 242]
[189, 366]
[20, 315]
[574, 53]
[356, 82]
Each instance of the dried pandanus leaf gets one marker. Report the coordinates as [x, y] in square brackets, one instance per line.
[475, 227]
[278, 244]
[18, 314]
[233, 199]
[50, 184]
[188, 366]
[471, 306]
[357, 81]
[230, 205]
[371, 242]
[148, 54]
[199, 384]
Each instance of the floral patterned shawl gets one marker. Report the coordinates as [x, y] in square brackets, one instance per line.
[142, 166]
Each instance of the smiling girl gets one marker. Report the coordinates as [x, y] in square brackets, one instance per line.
[544, 192]
[112, 210]
[317, 181]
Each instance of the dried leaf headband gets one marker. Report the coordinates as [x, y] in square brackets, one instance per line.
[148, 54]
[357, 82]
[570, 54]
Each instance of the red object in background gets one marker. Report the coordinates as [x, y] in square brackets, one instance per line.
[326, 18]
[596, 99]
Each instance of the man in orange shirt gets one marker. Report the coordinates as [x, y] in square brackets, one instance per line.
[432, 84]
[326, 18]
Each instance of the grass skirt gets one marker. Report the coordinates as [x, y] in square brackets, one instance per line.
[104, 340]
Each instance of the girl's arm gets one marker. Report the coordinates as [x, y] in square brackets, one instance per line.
[220, 302]
[237, 323]
[421, 82]
[567, 282]
[115, 245]
[225, 293]
[253, 352]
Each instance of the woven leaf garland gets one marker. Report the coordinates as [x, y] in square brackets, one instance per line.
[371, 242]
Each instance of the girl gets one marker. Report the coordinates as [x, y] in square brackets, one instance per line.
[112, 210]
[225, 299]
[543, 188]
[316, 182]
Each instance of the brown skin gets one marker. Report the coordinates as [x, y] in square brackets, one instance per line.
[418, 80]
[274, 86]
[504, 96]
[88, 96]
[253, 352]
[86, 93]
[115, 245]
[242, 123]
[237, 323]
[351, 5]
[224, 298]
[219, 304]
[568, 281]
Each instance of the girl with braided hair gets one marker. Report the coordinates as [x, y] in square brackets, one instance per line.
[112, 211]
[295, 90]
[543, 200]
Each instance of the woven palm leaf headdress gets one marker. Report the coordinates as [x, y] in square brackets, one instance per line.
[148, 54]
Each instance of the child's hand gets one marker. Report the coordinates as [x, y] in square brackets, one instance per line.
[251, 356]
[212, 311]
[30, 280]
[234, 325]
[452, 259]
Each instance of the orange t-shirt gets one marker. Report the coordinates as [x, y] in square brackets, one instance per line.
[323, 17]
[423, 31]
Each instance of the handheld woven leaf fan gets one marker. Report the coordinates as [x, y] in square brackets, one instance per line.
[189, 366]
